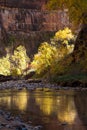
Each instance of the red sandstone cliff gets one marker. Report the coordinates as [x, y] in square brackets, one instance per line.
[28, 4]
[28, 15]
[29, 23]
[26, 20]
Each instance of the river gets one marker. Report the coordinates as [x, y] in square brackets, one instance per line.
[52, 109]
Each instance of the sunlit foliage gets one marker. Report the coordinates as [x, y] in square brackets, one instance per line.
[5, 65]
[45, 57]
[14, 64]
[65, 34]
[19, 60]
[65, 37]
[51, 53]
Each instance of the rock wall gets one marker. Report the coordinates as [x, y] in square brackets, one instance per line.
[29, 4]
[29, 21]
[26, 20]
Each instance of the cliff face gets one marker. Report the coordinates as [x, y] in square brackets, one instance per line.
[29, 4]
[28, 18]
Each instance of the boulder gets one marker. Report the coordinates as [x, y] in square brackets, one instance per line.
[4, 78]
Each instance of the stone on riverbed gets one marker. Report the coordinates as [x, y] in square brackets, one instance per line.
[7, 122]
[26, 84]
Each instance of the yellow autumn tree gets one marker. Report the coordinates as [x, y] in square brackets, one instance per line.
[5, 65]
[49, 54]
[14, 64]
[44, 57]
[19, 60]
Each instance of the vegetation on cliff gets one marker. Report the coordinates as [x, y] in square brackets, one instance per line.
[55, 60]
[49, 56]
[76, 9]
[60, 61]
[78, 16]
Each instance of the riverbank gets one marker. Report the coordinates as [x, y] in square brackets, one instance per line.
[31, 85]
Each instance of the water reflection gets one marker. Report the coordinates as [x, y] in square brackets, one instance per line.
[51, 109]
[6, 100]
[81, 105]
[17, 99]
[20, 100]
[63, 106]
[66, 110]
[46, 103]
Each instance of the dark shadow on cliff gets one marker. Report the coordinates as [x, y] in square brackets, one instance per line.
[3, 38]
[81, 40]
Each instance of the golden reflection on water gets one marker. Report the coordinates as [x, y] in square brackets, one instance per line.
[63, 106]
[46, 105]
[6, 100]
[66, 110]
[19, 99]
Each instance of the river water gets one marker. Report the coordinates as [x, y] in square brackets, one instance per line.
[52, 109]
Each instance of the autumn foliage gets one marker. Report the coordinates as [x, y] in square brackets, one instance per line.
[50, 54]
